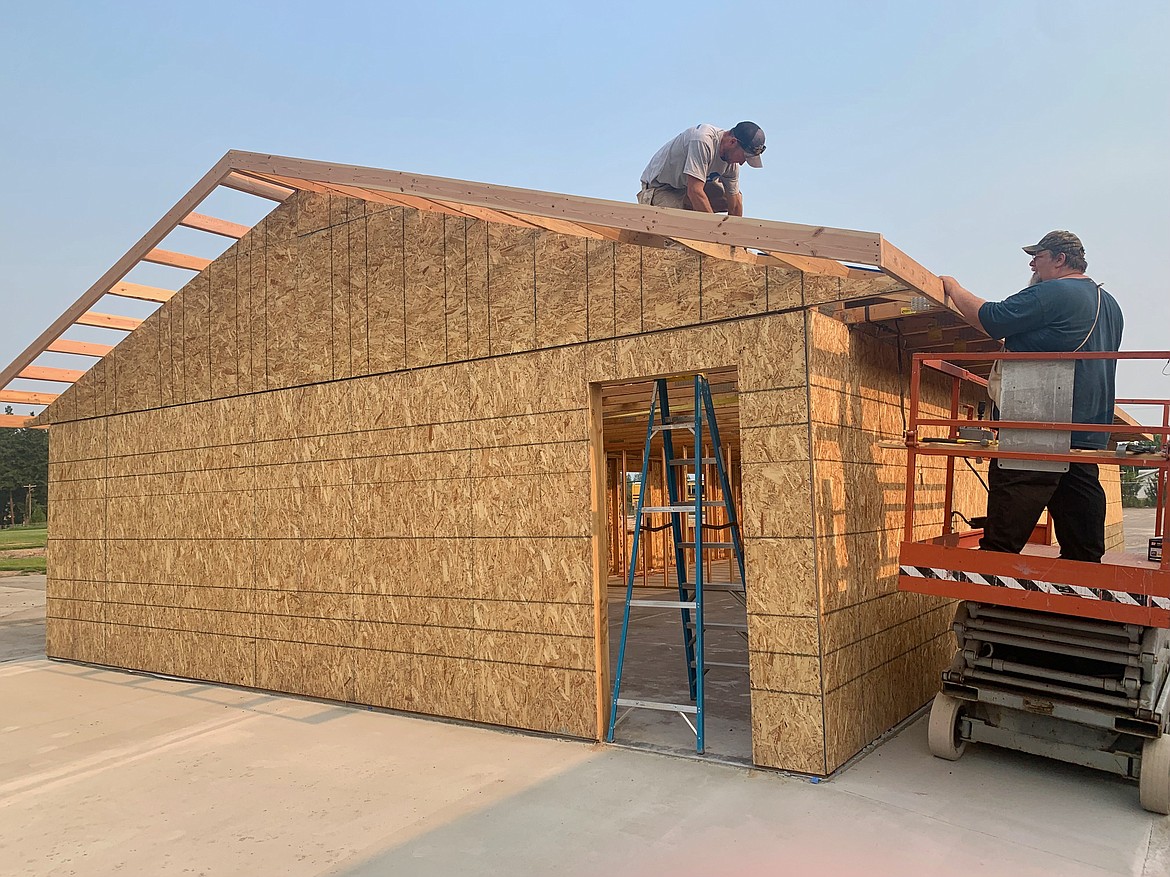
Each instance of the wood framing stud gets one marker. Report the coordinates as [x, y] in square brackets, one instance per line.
[215, 226]
[109, 321]
[176, 260]
[44, 373]
[140, 292]
[24, 397]
[79, 348]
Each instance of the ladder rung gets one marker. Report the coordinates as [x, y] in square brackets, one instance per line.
[721, 625]
[687, 426]
[709, 544]
[688, 507]
[728, 586]
[655, 705]
[723, 664]
[664, 604]
[690, 461]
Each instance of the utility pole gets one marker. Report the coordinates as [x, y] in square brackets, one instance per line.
[28, 504]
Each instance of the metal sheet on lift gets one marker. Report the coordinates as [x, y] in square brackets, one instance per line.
[1040, 391]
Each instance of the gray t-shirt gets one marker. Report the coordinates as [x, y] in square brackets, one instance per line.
[693, 153]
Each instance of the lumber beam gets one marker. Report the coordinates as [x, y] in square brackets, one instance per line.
[252, 186]
[215, 226]
[15, 421]
[901, 267]
[140, 292]
[45, 373]
[176, 260]
[26, 397]
[79, 348]
[844, 244]
[109, 321]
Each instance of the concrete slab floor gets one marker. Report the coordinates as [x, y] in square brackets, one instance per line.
[104, 772]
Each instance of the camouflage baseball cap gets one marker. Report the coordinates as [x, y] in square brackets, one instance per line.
[1057, 242]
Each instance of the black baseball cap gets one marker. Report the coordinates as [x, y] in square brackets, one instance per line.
[751, 138]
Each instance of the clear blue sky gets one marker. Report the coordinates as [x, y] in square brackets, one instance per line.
[960, 131]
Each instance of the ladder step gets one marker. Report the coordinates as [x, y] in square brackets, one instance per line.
[655, 705]
[690, 461]
[664, 604]
[709, 544]
[662, 426]
[688, 507]
[719, 625]
[723, 664]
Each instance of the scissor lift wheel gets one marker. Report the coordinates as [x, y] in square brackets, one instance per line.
[1154, 783]
[946, 713]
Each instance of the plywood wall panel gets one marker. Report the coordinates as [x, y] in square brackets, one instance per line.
[223, 292]
[776, 500]
[788, 731]
[314, 670]
[476, 273]
[781, 575]
[627, 289]
[552, 380]
[785, 288]
[531, 505]
[511, 289]
[359, 332]
[670, 289]
[73, 640]
[786, 674]
[342, 299]
[530, 568]
[562, 292]
[426, 307]
[423, 567]
[731, 289]
[386, 291]
[293, 565]
[196, 359]
[455, 274]
[137, 363]
[312, 341]
[537, 698]
[601, 288]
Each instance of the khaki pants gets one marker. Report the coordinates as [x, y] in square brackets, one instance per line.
[667, 196]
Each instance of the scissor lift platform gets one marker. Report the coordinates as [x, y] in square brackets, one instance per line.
[1059, 658]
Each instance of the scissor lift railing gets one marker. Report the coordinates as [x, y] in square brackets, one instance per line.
[1123, 588]
[1060, 658]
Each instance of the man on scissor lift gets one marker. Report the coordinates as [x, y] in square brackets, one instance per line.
[1063, 310]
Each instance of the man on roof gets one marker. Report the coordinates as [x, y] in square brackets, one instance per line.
[699, 169]
[1062, 310]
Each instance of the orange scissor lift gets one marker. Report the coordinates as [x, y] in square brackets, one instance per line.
[1058, 658]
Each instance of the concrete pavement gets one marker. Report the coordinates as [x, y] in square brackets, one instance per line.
[103, 772]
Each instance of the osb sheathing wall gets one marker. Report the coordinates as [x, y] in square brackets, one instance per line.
[882, 649]
[338, 464]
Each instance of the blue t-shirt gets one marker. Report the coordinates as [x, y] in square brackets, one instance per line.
[1054, 317]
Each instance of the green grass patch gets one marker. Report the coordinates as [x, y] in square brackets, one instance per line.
[23, 537]
[22, 564]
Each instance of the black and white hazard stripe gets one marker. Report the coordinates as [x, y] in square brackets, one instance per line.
[1104, 594]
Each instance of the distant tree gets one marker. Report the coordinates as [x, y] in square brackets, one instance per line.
[24, 460]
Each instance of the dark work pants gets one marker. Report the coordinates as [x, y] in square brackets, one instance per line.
[1075, 502]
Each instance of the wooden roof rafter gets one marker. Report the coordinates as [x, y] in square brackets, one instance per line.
[816, 249]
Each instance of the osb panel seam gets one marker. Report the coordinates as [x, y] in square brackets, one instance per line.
[876, 667]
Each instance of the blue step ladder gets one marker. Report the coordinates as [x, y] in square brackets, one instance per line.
[705, 431]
